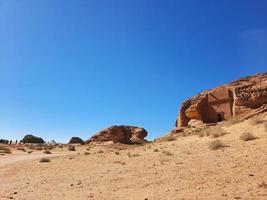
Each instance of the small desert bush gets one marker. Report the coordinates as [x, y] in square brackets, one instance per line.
[5, 150]
[71, 148]
[45, 160]
[117, 153]
[29, 152]
[21, 149]
[156, 150]
[167, 153]
[47, 152]
[234, 121]
[262, 185]
[100, 151]
[86, 153]
[215, 132]
[133, 155]
[216, 144]
[39, 148]
[247, 136]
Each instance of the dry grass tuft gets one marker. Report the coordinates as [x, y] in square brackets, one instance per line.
[71, 148]
[45, 160]
[21, 149]
[156, 150]
[167, 153]
[4, 150]
[216, 144]
[117, 153]
[247, 136]
[215, 132]
[47, 152]
[133, 155]
[262, 185]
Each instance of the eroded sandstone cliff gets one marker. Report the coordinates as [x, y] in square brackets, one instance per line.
[243, 98]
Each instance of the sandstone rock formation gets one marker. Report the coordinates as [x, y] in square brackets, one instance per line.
[32, 139]
[76, 140]
[243, 98]
[120, 134]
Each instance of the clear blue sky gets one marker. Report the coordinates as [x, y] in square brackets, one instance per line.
[73, 67]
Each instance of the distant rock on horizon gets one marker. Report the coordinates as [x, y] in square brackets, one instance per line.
[76, 140]
[32, 139]
[241, 99]
[120, 134]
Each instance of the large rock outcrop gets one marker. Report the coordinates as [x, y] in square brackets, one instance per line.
[76, 140]
[120, 134]
[243, 98]
[32, 139]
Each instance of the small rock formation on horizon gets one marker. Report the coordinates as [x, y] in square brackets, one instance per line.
[76, 140]
[120, 134]
[32, 139]
[241, 99]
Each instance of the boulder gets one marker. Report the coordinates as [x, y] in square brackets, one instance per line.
[120, 134]
[2, 141]
[242, 98]
[76, 140]
[32, 139]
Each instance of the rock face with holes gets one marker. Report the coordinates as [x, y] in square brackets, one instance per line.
[120, 134]
[243, 98]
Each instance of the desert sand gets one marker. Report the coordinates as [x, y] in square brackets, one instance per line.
[182, 169]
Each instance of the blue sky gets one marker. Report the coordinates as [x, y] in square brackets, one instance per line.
[73, 67]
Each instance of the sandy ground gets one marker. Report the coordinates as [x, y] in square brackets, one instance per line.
[181, 169]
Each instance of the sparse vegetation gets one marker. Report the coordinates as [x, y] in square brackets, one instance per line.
[21, 149]
[213, 132]
[255, 122]
[29, 152]
[117, 153]
[133, 155]
[262, 185]
[86, 153]
[100, 151]
[5, 150]
[167, 153]
[216, 144]
[71, 148]
[247, 136]
[45, 160]
[47, 152]
[156, 150]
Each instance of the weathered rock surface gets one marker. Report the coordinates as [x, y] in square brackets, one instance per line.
[243, 98]
[32, 139]
[76, 140]
[120, 134]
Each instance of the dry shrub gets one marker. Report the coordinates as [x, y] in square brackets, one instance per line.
[5, 150]
[45, 160]
[216, 144]
[86, 153]
[39, 148]
[21, 149]
[156, 150]
[234, 121]
[100, 151]
[133, 155]
[216, 132]
[117, 153]
[262, 185]
[29, 152]
[47, 152]
[247, 136]
[48, 147]
[71, 148]
[167, 153]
